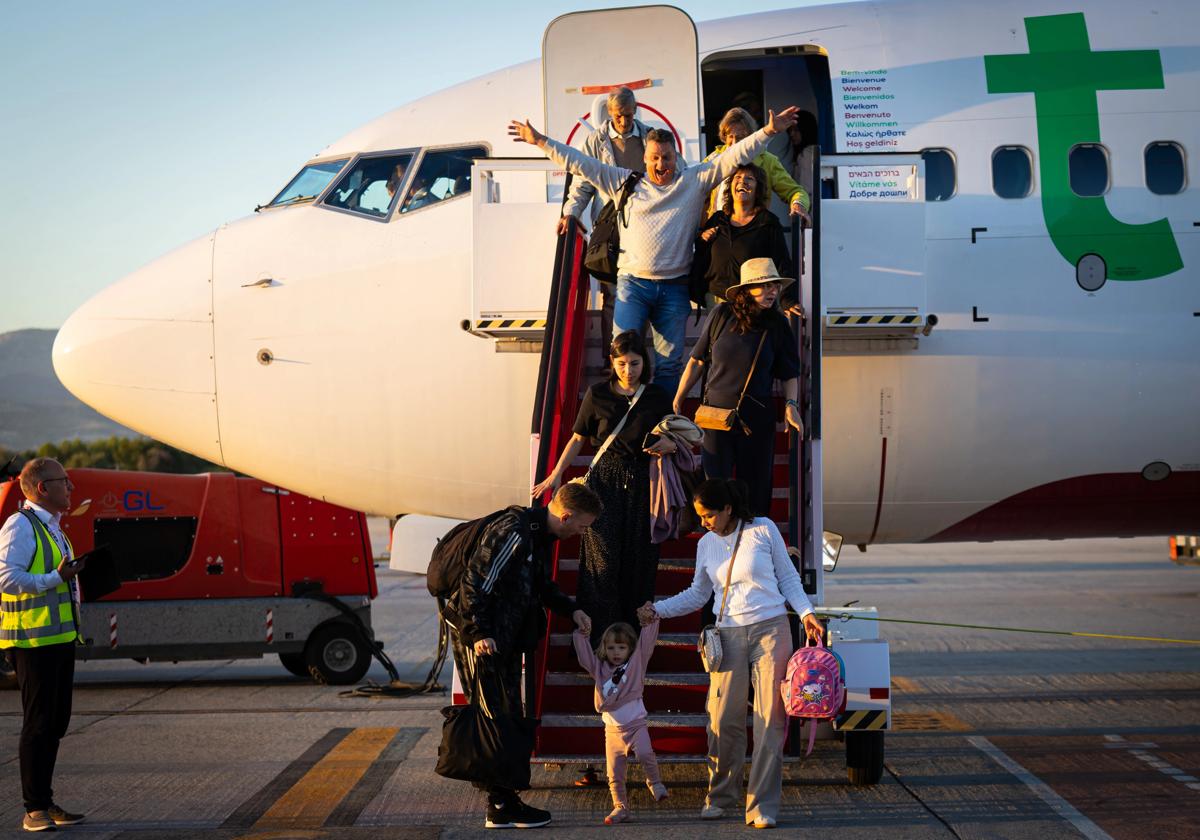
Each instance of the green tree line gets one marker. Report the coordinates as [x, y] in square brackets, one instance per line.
[114, 453]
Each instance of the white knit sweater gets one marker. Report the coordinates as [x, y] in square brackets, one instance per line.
[663, 221]
[764, 579]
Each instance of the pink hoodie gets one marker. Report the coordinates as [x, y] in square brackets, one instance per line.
[609, 698]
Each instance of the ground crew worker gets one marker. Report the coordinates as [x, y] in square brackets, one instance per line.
[39, 621]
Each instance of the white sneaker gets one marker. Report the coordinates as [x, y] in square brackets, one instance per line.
[763, 822]
[657, 789]
[618, 815]
[712, 812]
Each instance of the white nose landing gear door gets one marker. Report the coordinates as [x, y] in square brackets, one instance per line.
[650, 49]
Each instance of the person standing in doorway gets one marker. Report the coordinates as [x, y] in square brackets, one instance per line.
[39, 625]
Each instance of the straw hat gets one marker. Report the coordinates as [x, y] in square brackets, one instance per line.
[758, 271]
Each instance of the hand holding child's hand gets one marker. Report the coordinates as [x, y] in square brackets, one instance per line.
[647, 614]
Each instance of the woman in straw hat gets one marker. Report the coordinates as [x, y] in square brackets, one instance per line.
[744, 347]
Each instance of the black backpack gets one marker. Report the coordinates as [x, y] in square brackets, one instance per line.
[604, 246]
[449, 558]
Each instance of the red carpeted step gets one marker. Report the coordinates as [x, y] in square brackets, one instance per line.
[682, 624]
[671, 734]
[674, 653]
[668, 581]
[573, 693]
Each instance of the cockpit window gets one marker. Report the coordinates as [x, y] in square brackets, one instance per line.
[444, 174]
[371, 185]
[309, 183]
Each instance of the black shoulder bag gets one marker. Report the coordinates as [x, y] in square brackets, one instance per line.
[604, 246]
[486, 741]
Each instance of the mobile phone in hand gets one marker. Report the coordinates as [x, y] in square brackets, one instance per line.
[649, 440]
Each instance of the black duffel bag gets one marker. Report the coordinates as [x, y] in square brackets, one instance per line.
[486, 741]
[604, 245]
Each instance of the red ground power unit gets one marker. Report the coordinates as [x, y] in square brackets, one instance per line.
[216, 566]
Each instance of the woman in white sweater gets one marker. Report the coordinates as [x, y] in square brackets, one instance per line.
[756, 642]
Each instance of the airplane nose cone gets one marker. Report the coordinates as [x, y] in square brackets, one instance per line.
[141, 351]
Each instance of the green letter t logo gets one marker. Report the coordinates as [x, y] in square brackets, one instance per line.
[1064, 74]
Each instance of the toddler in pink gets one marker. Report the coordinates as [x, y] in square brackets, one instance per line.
[618, 666]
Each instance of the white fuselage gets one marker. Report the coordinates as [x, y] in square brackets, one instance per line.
[375, 397]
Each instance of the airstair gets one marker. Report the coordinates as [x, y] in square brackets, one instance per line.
[519, 200]
[558, 691]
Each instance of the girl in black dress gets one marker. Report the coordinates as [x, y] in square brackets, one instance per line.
[618, 561]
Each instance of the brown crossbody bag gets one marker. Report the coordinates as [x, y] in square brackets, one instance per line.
[726, 419]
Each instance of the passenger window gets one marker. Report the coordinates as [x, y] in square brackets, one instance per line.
[371, 186]
[1166, 173]
[940, 180]
[309, 183]
[443, 174]
[1088, 163]
[1012, 172]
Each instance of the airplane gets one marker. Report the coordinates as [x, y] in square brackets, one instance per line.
[1008, 267]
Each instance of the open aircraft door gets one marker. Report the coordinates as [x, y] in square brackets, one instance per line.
[650, 49]
[872, 248]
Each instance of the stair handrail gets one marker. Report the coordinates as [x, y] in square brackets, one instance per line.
[556, 400]
[800, 450]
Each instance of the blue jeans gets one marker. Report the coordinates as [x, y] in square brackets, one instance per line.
[667, 308]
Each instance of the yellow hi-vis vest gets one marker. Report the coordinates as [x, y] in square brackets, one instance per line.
[48, 618]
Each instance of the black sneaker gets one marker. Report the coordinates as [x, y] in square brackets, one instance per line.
[515, 814]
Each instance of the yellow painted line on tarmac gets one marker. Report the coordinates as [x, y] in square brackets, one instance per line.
[905, 684]
[310, 801]
[932, 721]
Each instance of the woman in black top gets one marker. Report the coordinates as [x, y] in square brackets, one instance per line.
[742, 229]
[618, 562]
[725, 351]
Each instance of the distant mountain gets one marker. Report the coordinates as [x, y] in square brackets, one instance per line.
[34, 406]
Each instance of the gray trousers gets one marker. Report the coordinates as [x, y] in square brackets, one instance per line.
[754, 655]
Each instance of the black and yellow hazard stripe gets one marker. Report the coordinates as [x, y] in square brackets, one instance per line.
[511, 324]
[873, 320]
[862, 719]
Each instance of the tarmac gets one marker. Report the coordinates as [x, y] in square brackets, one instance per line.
[996, 735]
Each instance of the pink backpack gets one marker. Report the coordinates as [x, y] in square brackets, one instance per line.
[814, 688]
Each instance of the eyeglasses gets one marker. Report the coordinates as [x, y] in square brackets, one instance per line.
[48, 480]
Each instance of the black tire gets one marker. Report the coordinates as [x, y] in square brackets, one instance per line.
[336, 654]
[295, 664]
[864, 757]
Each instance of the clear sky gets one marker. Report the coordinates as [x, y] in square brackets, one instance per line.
[132, 126]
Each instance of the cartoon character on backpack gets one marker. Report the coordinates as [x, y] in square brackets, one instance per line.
[812, 693]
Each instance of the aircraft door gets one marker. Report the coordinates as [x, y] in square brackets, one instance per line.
[872, 235]
[651, 49]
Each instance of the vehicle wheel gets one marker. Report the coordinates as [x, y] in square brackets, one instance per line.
[864, 757]
[336, 654]
[295, 664]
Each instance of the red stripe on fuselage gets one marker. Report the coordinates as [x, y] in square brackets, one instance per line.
[1103, 505]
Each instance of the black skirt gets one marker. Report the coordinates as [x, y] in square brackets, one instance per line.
[618, 562]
